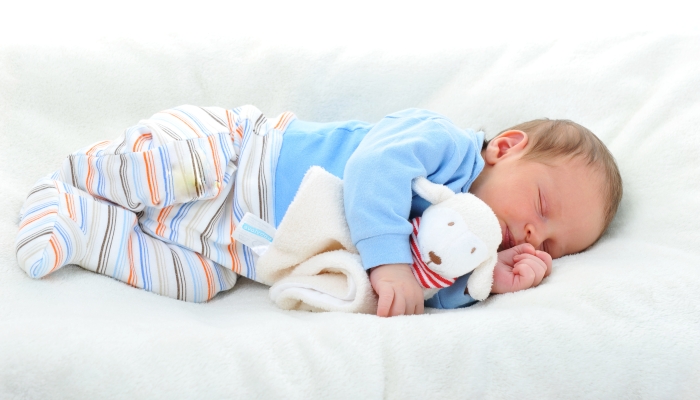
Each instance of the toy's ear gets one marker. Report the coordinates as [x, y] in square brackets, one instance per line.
[481, 280]
[432, 192]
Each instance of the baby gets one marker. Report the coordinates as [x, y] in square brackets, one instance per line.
[157, 207]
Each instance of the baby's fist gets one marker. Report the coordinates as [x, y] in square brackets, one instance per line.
[520, 267]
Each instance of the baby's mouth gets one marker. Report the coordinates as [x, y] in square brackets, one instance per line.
[508, 241]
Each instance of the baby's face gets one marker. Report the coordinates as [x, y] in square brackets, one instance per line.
[555, 205]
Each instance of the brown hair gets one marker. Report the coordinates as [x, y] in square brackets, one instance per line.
[548, 139]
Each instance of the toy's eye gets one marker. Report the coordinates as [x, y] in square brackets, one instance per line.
[473, 250]
[450, 224]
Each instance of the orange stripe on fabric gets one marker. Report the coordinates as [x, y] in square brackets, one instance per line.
[88, 180]
[36, 217]
[141, 141]
[196, 132]
[162, 215]
[235, 262]
[131, 280]
[151, 177]
[284, 120]
[217, 164]
[69, 206]
[229, 120]
[56, 252]
[208, 275]
[89, 153]
[96, 147]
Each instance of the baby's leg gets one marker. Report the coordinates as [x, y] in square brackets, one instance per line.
[177, 156]
[63, 225]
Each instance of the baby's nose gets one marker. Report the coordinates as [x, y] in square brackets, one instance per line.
[531, 236]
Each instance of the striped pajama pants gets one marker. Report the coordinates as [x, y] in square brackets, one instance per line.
[156, 207]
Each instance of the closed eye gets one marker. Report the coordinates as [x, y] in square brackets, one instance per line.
[542, 203]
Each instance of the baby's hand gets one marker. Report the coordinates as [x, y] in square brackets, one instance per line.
[398, 290]
[520, 267]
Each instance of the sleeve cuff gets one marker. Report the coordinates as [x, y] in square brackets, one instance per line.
[384, 249]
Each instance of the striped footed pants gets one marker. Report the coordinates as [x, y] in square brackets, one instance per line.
[156, 207]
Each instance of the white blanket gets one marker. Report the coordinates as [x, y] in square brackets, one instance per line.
[621, 320]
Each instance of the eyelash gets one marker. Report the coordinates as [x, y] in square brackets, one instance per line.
[544, 244]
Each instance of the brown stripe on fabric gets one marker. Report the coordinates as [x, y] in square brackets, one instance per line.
[179, 276]
[121, 145]
[209, 230]
[169, 131]
[107, 241]
[40, 188]
[215, 117]
[198, 167]
[124, 178]
[258, 123]
[74, 176]
[262, 183]
[46, 231]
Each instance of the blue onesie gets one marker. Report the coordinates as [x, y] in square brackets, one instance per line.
[377, 163]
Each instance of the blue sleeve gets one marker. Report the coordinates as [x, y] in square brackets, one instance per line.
[452, 296]
[378, 175]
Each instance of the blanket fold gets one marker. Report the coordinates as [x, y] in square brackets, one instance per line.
[312, 263]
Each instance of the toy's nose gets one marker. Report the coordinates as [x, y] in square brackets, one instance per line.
[435, 258]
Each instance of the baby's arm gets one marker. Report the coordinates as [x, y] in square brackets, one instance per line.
[520, 267]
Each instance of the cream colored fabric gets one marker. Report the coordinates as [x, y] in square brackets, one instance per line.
[312, 263]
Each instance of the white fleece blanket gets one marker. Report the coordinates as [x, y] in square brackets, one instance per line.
[621, 320]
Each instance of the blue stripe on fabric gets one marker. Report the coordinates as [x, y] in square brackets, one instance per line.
[122, 250]
[136, 177]
[219, 278]
[67, 188]
[100, 180]
[224, 143]
[177, 220]
[202, 128]
[40, 207]
[64, 235]
[38, 264]
[196, 282]
[144, 260]
[167, 177]
[83, 214]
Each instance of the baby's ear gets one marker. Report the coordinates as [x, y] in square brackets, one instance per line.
[434, 193]
[507, 143]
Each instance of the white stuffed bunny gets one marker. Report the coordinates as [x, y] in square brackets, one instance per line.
[313, 265]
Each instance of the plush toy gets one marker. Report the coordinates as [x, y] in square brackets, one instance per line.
[312, 264]
[456, 235]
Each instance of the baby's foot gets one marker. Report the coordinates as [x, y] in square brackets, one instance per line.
[48, 232]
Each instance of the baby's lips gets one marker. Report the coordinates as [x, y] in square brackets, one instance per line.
[507, 241]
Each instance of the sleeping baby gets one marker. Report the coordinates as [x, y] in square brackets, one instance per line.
[157, 208]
